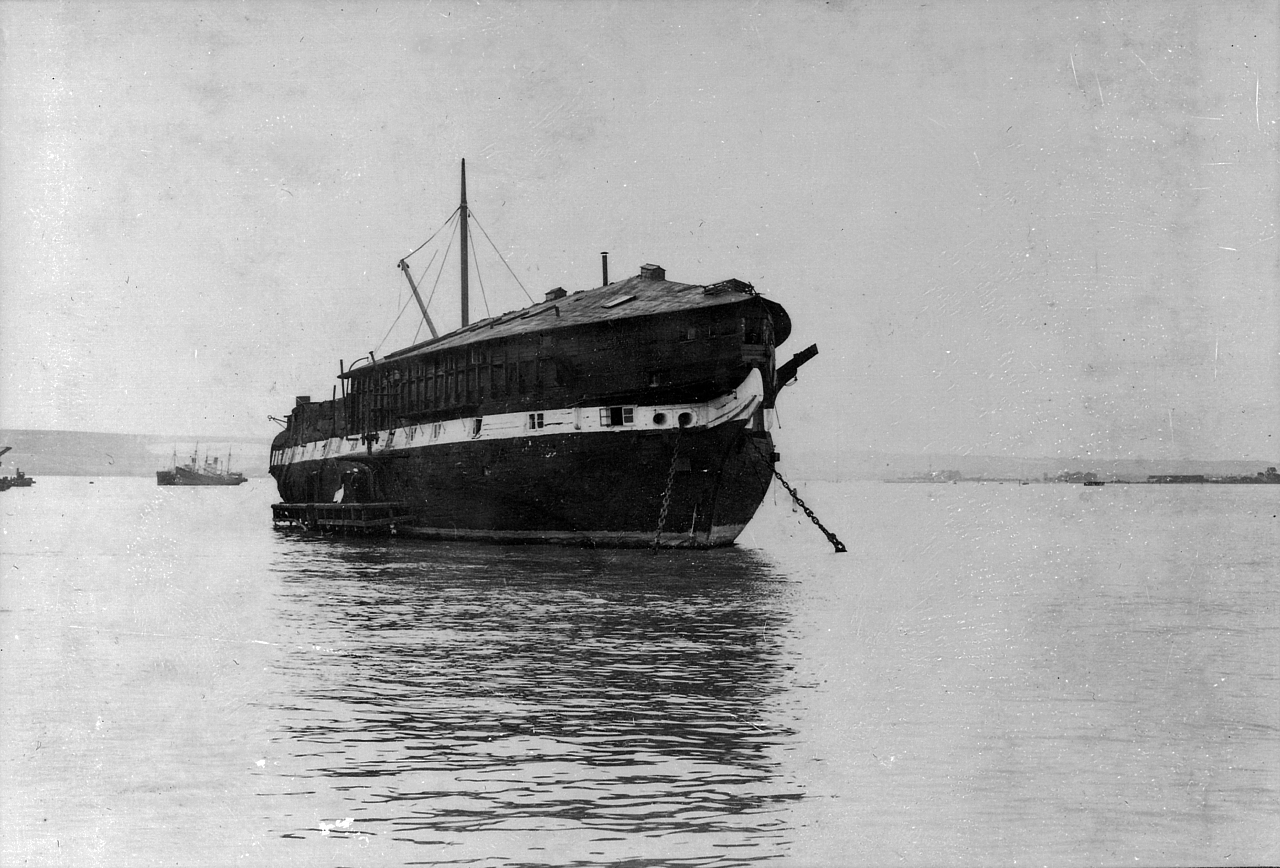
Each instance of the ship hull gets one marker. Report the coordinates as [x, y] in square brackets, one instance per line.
[184, 476]
[690, 487]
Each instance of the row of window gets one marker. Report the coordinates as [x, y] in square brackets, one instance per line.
[610, 417]
[445, 381]
[469, 375]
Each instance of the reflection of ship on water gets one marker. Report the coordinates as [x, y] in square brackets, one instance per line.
[209, 472]
[552, 686]
[18, 480]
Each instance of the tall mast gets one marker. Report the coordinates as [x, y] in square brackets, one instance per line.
[465, 231]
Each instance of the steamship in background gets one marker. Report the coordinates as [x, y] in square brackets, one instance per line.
[211, 472]
[635, 413]
[19, 480]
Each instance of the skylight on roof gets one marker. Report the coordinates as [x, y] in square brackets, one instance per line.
[622, 299]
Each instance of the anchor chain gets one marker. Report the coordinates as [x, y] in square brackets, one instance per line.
[795, 495]
[666, 494]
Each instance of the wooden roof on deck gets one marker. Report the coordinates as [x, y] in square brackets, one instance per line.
[624, 299]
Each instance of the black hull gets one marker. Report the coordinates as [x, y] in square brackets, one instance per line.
[593, 489]
[632, 414]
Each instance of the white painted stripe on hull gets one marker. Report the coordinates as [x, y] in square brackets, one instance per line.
[736, 405]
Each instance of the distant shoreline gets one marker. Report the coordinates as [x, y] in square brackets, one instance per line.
[52, 452]
[1245, 481]
[1265, 477]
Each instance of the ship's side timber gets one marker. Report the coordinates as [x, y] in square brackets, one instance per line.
[687, 344]
[636, 341]
[564, 476]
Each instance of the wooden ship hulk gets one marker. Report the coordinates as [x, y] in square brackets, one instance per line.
[636, 413]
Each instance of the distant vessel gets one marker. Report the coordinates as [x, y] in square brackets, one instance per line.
[934, 476]
[635, 413]
[20, 480]
[1270, 476]
[210, 472]
[1094, 482]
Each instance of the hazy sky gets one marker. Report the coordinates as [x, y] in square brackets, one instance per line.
[1038, 229]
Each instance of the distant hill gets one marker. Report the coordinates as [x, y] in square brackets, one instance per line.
[88, 453]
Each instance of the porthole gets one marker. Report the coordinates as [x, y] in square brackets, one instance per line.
[685, 419]
[659, 419]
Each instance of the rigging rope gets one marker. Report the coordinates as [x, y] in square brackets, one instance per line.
[437, 232]
[406, 306]
[479, 279]
[500, 257]
[393, 325]
[428, 268]
[418, 330]
[440, 273]
[455, 221]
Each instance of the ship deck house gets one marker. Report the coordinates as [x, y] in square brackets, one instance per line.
[617, 344]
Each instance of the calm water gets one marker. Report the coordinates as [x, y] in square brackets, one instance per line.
[993, 675]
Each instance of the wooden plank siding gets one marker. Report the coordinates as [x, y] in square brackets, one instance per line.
[658, 358]
[640, 340]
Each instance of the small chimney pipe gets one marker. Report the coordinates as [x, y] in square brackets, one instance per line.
[604, 267]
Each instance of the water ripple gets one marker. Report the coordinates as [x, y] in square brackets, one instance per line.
[478, 700]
